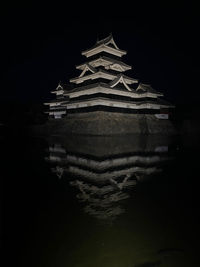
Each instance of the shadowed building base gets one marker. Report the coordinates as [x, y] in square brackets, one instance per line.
[108, 123]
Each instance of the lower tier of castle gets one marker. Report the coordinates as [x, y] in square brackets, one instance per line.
[109, 123]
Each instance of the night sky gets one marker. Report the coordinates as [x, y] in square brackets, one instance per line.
[43, 43]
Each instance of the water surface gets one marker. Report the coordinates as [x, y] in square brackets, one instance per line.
[100, 201]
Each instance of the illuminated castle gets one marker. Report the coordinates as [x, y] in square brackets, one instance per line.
[103, 89]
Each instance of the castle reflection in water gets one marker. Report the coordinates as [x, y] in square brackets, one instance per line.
[106, 170]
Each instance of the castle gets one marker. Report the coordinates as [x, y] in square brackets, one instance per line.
[103, 91]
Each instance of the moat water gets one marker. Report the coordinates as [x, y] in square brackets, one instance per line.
[129, 201]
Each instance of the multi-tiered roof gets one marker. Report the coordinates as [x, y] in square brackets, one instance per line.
[102, 85]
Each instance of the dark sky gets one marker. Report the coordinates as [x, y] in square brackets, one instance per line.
[43, 43]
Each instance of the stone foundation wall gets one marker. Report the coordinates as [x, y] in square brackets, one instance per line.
[107, 123]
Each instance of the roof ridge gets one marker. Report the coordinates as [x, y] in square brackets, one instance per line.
[102, 57]
[106, 39]
[114, 82]
[147, 88]
[90, 67]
